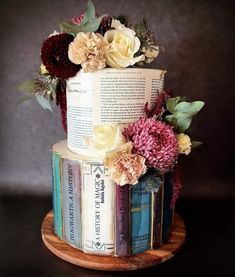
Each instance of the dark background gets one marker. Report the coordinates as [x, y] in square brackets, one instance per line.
[199, 42]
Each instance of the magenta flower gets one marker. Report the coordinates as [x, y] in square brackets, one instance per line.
[155, 141]
[77, 20]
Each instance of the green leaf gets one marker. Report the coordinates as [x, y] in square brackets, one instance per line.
[182, 113]
[183, 123]
[171, 120]
[89, 23]
[171, 103]
[69, 27]
[43, 102]
[189, 108]
[196, 143]
[27, 86]
[90, 10]
[23, 99]
[92, 25]
[179, 121]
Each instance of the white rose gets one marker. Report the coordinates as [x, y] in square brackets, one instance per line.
[116, 24]
[105, 137]
[123, 46]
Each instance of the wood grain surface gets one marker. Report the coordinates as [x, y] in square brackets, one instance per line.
[144, 260]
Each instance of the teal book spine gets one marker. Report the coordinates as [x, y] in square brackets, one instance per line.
[71, 178]
[140, 217]
[57, 209]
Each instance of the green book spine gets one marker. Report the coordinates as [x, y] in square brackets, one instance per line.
[57, 209]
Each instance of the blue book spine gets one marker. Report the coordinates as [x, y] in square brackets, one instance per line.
[140, 208]
[56, 172]
[71, 178]
[167, 207]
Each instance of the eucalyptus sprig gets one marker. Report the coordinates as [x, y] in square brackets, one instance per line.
[147, 40]
[89, 23]
[42, 87]
[181, 113]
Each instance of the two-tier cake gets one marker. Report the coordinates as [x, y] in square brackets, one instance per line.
[116, 177]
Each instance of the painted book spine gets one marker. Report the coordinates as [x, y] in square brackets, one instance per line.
[167, 207]
[71, 202]
[122, 213]
[140, 218]
[157, 218]
[57, 209]
[97, 210]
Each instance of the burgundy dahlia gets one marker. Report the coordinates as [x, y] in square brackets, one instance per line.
[54, 56]
[155, 141]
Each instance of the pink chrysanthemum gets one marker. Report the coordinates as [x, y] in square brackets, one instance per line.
[155, 141]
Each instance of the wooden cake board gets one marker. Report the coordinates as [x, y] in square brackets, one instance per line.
[143, 260]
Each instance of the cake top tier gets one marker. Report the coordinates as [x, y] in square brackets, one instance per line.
[113, 96]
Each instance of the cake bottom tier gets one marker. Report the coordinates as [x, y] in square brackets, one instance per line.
[97, 216]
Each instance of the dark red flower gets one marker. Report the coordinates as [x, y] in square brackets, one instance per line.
[177, 184]
[105, 25]
[62, 103]
[54, 56]
[160, 105]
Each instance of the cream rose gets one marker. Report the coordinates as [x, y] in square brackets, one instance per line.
[184, 143]
[123, 46]
[105, 137]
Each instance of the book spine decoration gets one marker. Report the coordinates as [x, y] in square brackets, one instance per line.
[122, 212]
[97, 216]
[71, 177]
[140, 209]
[167, 208]
[97, 210]
[157, 217]
[56, 172]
